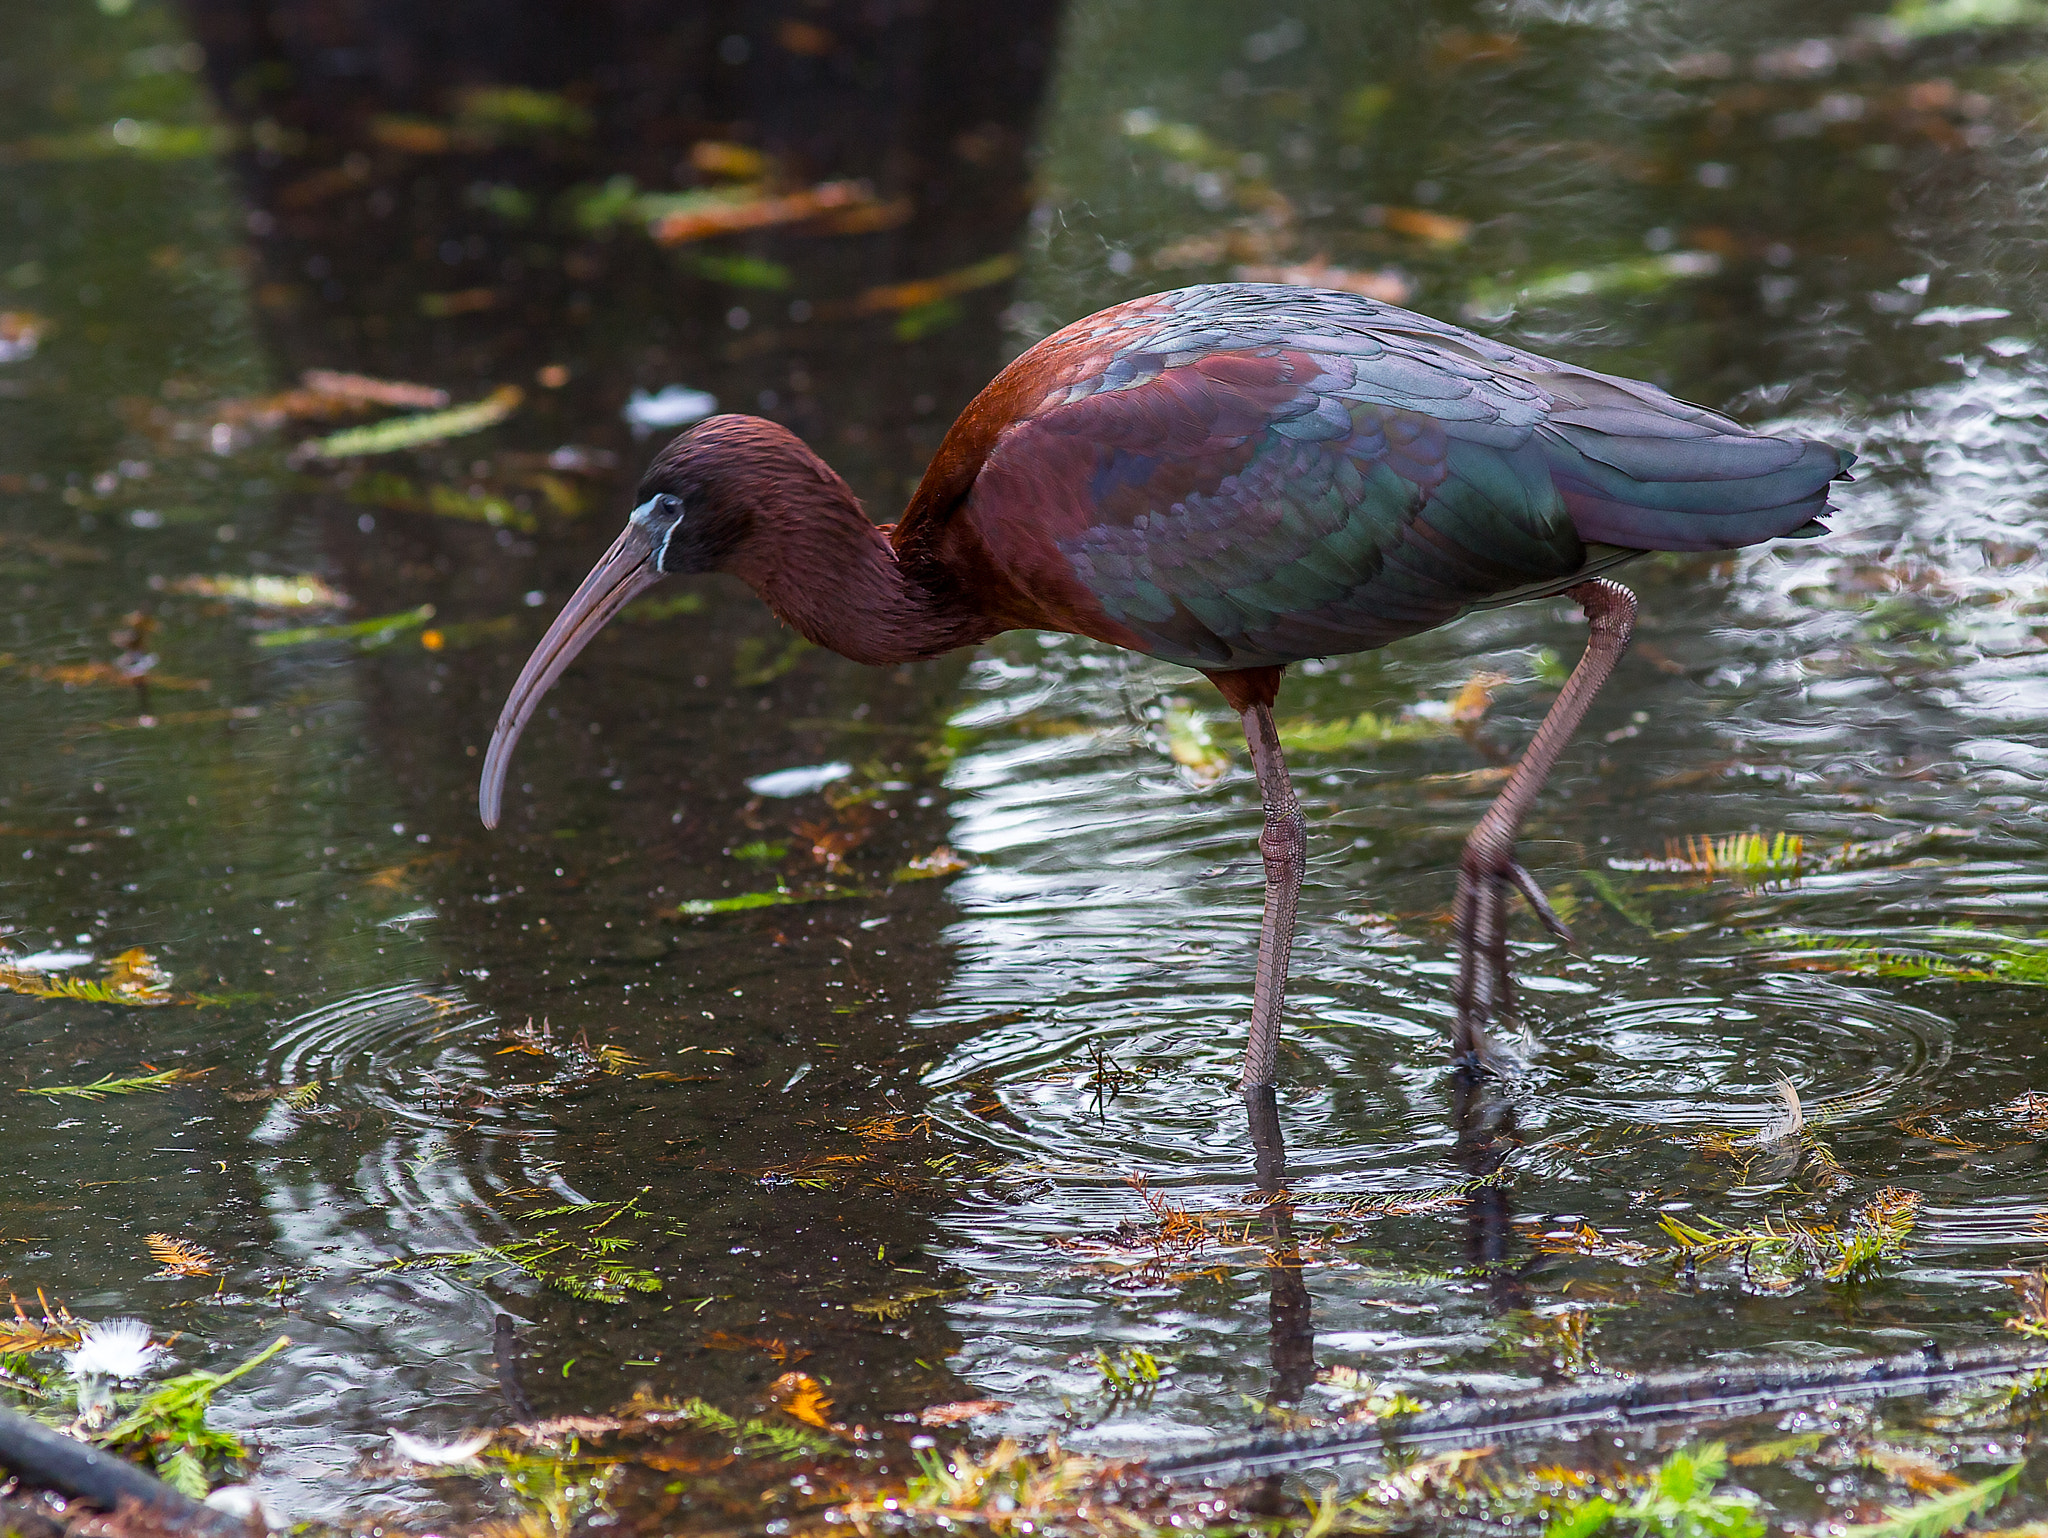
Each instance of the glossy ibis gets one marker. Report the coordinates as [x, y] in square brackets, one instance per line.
[1232, 477]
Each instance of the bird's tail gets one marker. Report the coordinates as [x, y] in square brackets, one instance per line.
[1675, 487]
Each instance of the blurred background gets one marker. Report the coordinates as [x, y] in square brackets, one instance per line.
[807, 1013]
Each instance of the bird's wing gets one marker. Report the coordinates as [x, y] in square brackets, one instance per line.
[1260, 475]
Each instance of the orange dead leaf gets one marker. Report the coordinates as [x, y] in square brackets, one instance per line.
[55, 1331]
[1470, 781]
[801, 37]
[82, 675]
[411, 136]
[778, 1350]
[762, 212]
[829, 845]
[866, 218]
[800, 1395]
[1422, 224]
[942, 861]
[181, 1257]
[891, 1128]
[721, 157]
[922, 291]
[375, 392]
[1385, 285]
[960, 1410]
[1475, 698]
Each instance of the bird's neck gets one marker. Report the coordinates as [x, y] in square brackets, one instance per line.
[833, 577]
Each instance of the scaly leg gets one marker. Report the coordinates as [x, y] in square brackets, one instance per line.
[1488, 870]
[1284, 844]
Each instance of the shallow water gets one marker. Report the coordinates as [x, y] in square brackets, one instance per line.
[891, 1131]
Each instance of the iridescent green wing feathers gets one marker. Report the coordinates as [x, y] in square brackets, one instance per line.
[1262, 474]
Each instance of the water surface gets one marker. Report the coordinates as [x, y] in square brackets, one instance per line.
[916, 1132]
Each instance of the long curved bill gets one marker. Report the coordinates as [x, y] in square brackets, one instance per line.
[626, 571]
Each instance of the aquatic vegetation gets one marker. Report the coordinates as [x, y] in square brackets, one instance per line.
[1605, 889]
[181, 1257]
[1775, 1254]
[401, 494]
[1940, 1514]
[1493, 301]
[802, 1397]
[1936, 18]
[103, 675]
[678, 218]
[1559, 1337]
[1132, 1374]
[2032, 1318]
[648, 611]
[368, 634]
[510, 110]
[55, 1330]
[1956, 953]
[132, 978]
[1366, 729]
[575, 1256]
[167, 1427]
[753, 1438]
[113, 1084]
[939, 864]
[702, 907]
[1751, 858]
[262, 591]
[1190, 744]
[757, 661]
[1680, 1502]
[396, 433]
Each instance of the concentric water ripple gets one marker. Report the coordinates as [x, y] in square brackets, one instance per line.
[1854, 1056]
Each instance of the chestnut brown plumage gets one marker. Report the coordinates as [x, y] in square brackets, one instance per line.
[1232, 477]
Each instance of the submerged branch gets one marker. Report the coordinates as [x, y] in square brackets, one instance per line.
[1651, 1399]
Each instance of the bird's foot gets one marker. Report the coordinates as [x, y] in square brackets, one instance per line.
[1539, 904]
[1485, 991]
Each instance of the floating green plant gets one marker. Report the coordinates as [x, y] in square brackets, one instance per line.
[114, 1084]
[1745, 857]
[756, 661]
[402, 495]
[740, 271]
[132, 978]
[1131, 1375]
[1941, 1513]
[1956, 953]
[1775, 1253]
[575, 1257]
[368, 634]
[779, 898]
[754, 1438]
[1366, 729]
[167, 1426]
[648, 611]
[1681, 1502]
[413, 432]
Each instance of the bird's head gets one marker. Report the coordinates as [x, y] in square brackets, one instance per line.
[694, 510]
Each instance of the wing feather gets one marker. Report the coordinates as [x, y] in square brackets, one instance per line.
[1244, 475]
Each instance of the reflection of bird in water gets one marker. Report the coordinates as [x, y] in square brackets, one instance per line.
[1233, 478]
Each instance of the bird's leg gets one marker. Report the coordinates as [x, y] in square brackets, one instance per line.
[1488, 869]
[1284, 845]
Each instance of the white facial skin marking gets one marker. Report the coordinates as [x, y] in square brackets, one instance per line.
[656, 507]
